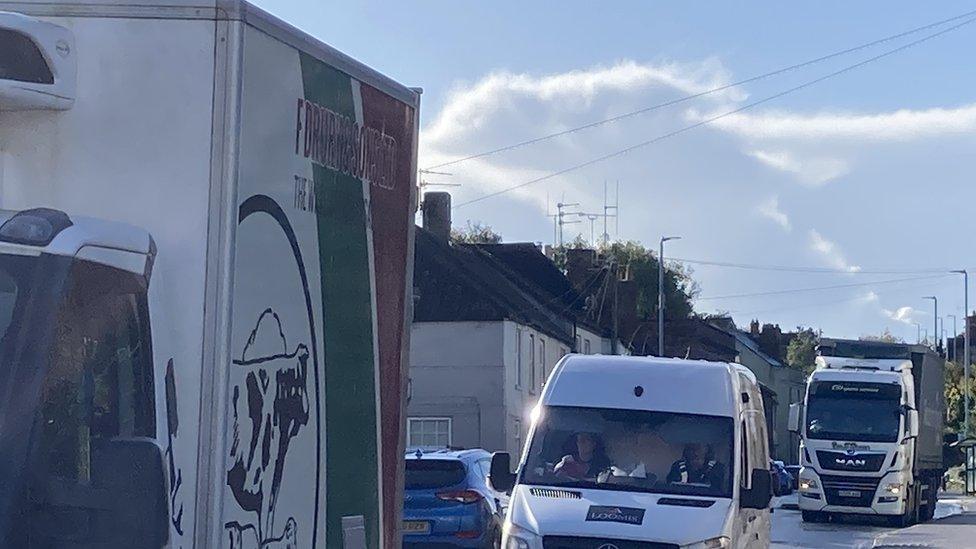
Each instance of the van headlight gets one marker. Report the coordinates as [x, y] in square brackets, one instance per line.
[517, 537]
[721, 542]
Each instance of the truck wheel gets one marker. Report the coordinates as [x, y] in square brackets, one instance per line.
[812, 516]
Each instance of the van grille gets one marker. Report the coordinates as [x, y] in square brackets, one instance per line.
[573, 542]
[555, 493]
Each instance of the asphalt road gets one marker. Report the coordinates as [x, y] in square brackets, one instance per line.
[788, 531]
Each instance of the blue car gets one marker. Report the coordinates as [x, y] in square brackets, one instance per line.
[448, 502]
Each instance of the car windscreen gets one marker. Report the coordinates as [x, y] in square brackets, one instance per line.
[632, 450]
[864, 412]
[433, 473]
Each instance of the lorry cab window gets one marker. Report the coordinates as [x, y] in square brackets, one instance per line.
[868, 412]
[99, 383]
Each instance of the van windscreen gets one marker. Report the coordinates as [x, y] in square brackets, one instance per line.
[433, 473]
[632, 450]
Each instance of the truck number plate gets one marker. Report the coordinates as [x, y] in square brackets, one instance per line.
[848, 493]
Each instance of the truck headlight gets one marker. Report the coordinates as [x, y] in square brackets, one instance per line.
[517, 537]
[893, 488]
[713, 543]
[808, 484]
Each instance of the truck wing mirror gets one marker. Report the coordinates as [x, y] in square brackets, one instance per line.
[911, 424]
[760, 494]
[124, 505]
[796, 414]
[501, 477]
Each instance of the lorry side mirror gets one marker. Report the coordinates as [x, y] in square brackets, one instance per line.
[501, 477]
[124, 505]
[911, 423]
[796, 413]
[760, 494]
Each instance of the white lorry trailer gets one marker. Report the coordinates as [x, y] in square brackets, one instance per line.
[871, 432]
[205, 253]
[641, 452]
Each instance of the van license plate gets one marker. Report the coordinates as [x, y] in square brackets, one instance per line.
[848, 493]
[416, 527]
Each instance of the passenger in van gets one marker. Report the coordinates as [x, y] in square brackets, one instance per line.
[634, 455]
[586, 460]
[696, 466]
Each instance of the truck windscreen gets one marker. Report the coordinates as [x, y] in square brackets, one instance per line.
[866, 412]
[632, 450]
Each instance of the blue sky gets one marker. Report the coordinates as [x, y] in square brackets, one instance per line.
[873, 170]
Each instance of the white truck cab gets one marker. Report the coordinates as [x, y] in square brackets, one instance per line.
[871, 433]
[628, 450]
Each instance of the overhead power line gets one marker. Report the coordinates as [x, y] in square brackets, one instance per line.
[711, 91]
[911, 287]
[820, 288]
[800, 269]
[717, 117]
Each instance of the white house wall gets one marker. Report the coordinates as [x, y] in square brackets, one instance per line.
[522, 392]
[457, 371]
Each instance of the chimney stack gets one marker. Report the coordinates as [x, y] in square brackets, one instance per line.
[437, 214]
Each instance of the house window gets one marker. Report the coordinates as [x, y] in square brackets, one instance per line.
[586, 346]
[532, 377]
[518, 358]
[429, 432]
[542, 360]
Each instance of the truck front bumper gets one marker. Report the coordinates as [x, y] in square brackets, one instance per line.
[882, 501]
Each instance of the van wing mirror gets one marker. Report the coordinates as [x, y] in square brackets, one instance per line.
[501, 477]
[796, 414]
[760, 494]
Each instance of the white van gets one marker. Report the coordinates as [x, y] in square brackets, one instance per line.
[641, 452]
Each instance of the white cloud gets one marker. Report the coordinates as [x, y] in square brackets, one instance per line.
[830, 252]
[472, 107]
[901, 314]
[900, 125]
[813, 172]
[770, 209]
[870, 297]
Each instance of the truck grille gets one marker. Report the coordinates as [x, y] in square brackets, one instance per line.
[840, 461]
[573, 542]
[849, 491]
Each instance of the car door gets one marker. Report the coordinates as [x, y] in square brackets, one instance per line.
[753, 530]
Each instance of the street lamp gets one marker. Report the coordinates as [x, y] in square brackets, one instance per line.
[660, 294]
[935, 320]
[918, 338]
[965, 351]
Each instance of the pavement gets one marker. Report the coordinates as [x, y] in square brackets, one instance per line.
[952, 529]
[956, 529]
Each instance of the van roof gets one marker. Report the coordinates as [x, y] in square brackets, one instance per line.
[666, 384]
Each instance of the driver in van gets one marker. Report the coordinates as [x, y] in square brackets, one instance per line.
[586, 460]
[696, 466]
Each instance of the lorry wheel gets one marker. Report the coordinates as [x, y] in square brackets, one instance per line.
[812, 516]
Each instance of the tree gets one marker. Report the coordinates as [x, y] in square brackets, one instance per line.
[640, 264]
[885, 337]
[475, 233]
[801, 353]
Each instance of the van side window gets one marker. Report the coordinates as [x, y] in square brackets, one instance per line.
[100, 382]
